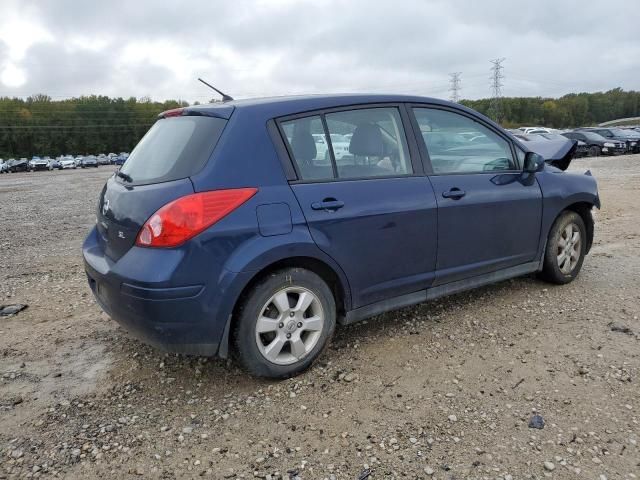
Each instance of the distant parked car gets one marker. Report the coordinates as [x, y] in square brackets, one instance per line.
[533, 130]
[120, 159]
[597, 144]
[7, 165]
[322, 148]
[37, 163]
[3, 165]
[54, 164]
[630, 139]
[340, 146]
[103, 159]
[21, 165]
[582, 149]
[89, 161]
[68, 162]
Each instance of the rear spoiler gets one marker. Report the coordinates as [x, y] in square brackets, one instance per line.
[223, 111]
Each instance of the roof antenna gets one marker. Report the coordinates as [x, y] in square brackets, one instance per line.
[225, 97]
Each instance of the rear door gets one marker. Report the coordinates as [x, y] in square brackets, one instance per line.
[489, 214]
[366, 203]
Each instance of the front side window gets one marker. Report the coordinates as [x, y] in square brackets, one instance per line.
[459, 144]
[369, 143]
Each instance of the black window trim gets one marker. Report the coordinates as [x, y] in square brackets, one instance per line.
[281, 150]
[289, 162]
[425, 152]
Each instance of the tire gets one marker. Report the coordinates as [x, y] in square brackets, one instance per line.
[562, 270]
[594, 151]
[291, 338]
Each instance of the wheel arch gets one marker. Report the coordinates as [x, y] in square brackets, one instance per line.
[335, 280]
[582, 208]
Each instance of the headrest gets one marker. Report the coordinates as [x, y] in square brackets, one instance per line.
[367, 141]
[303, 145]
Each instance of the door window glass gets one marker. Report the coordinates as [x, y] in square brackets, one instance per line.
[309, 146]
[369, 143]
[459, 144]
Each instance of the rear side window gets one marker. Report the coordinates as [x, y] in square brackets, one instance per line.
[173, 148]
[309, 146]
[360, 143]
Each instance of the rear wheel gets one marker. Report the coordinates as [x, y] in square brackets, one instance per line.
[566, 248]
[284, 323]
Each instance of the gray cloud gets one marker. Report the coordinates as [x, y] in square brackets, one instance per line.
[277, 47]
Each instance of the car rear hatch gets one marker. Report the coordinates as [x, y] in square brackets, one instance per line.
[157, 172]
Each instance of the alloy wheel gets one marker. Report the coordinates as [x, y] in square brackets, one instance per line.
[289, 325]
[569, 248]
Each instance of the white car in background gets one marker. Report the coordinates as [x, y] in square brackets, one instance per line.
[321, 146]
[535, 130]
[340, 144]
[67, 162]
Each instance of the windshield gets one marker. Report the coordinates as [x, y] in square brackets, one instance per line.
[628, 133]
[593, 136]
[173, 148]
[618, 132]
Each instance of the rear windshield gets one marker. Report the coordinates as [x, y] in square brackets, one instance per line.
[173, 148]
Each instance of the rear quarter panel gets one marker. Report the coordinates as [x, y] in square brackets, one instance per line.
[246, 157]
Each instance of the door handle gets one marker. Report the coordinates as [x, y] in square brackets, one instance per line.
[454, 193]
[330, 204]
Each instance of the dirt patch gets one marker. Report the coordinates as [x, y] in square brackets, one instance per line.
[447, 389]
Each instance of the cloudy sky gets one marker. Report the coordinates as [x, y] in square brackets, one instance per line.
[274, 47]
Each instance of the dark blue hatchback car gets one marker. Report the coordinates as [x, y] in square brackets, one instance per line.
[256, 226]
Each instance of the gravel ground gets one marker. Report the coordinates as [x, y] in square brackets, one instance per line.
[444, 390]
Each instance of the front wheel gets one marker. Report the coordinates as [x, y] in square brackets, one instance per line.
[284, 323]
[566, 248]
[594, 151]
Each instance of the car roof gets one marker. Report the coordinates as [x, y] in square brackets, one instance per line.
[289, 105]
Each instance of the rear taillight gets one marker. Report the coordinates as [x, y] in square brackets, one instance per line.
[186, 217]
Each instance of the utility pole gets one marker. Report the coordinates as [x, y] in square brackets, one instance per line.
[496, 88]
[454, 81]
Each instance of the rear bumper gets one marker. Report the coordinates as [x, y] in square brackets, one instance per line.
[177, 318]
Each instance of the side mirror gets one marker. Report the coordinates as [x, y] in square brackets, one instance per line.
[533, 162]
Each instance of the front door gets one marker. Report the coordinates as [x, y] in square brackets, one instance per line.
[489, 214]
[363, 204]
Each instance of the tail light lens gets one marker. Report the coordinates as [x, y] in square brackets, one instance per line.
[186, 217]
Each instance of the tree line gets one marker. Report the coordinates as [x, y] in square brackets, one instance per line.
[39, 125]
[572, 110]
[93, 124]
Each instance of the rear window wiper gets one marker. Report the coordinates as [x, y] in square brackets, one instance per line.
[124, 176]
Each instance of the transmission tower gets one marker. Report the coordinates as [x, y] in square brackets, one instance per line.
[454, 81]
[496, 88]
